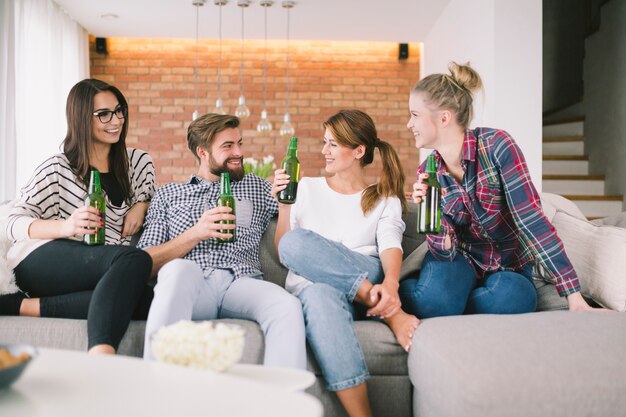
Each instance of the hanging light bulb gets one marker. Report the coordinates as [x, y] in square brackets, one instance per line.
[264, 125]
[242, 111]
[219, 107]
[196, 3]
[287, 129]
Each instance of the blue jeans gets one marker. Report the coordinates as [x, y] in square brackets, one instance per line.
[336, 273]
[451, 288]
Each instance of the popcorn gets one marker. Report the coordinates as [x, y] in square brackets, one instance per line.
[202, 345]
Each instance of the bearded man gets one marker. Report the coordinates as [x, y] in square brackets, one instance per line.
[200, 278]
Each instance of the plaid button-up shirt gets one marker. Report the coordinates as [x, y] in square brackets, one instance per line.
[494, 218]
[177, 207]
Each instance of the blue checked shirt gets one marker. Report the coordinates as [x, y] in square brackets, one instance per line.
[177, 207]
[494, 217]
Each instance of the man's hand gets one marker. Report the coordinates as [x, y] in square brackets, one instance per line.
[386, 297]
[208, 226]
[134, 219]
[83, 221]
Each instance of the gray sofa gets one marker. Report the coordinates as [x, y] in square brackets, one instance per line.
[549, 363]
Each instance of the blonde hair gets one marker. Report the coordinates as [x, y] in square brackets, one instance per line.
[452, 92]
[353, 128]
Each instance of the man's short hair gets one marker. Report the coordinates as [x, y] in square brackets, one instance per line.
[202, 131]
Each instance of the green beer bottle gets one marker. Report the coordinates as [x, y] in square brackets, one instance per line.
[429, 209]
[226, 199]
[96, 198]
[291, 165]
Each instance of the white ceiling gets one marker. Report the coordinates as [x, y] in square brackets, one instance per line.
[360, 20]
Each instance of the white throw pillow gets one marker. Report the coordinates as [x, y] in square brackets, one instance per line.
[598, 254]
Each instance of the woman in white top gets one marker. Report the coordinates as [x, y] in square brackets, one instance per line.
[57, 274]
[341, 241]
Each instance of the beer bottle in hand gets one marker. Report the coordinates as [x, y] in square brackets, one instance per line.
[291, 165]
[96, 198]
[226, 199]
[429, 209]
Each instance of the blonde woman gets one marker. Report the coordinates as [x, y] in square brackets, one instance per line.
[493, 228]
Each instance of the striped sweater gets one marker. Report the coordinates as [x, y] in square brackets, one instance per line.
[54, 192]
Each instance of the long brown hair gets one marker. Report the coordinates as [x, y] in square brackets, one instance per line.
[79, 112]
[353, 128]
[452, 92]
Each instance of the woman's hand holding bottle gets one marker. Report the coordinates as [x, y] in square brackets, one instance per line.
[281, 180]
[419, 188]
[83, 221]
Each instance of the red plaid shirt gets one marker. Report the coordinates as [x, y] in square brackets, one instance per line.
[494, 218]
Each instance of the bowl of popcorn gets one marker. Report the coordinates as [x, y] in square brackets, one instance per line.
[201, 345]
[13, 360]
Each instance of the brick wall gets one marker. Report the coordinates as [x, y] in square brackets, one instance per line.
[156, 76]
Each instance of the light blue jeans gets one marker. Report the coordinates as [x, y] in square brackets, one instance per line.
[336, 273]
[184, 293]
[451, 288]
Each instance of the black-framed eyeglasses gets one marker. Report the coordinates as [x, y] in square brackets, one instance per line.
[105, 116]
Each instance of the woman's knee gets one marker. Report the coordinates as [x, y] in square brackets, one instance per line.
[440, 289]
[293, 245]
[504, 293]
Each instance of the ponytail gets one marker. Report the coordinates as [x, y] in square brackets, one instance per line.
[354, 128]
[391, 181]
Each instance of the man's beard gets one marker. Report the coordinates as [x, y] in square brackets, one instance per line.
[235, 174]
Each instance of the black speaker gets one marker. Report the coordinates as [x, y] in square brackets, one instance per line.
[403, 51]
[101, 45]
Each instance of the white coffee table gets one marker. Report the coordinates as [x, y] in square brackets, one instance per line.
[288, 379]
[69, 383]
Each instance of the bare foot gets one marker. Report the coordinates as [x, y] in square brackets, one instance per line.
[30, 307]
[403, 325]
[363, 295]
[102, 350]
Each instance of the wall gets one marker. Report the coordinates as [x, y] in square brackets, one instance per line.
[156, 75]
[563, 53]
[502, 41]
[605, 97]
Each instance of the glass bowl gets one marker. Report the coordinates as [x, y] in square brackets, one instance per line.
[9, 374]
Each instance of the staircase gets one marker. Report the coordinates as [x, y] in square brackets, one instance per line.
[566, 169]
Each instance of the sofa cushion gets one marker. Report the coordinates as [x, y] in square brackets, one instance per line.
[72, 335]
[552, 363]
[597, 255]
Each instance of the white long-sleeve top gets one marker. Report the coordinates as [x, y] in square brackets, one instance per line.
[339, 217]
[54, 192]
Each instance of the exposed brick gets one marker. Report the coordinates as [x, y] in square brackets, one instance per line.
[157, 77]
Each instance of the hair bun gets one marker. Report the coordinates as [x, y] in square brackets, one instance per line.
[465, 76]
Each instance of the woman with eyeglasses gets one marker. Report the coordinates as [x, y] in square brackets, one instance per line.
[57, 274]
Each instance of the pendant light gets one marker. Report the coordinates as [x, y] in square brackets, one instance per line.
[219, 108]
[264, 125]
[287, 129]
[242, 111]
[196, 3]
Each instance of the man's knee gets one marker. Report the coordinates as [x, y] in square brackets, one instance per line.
[179, 273]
